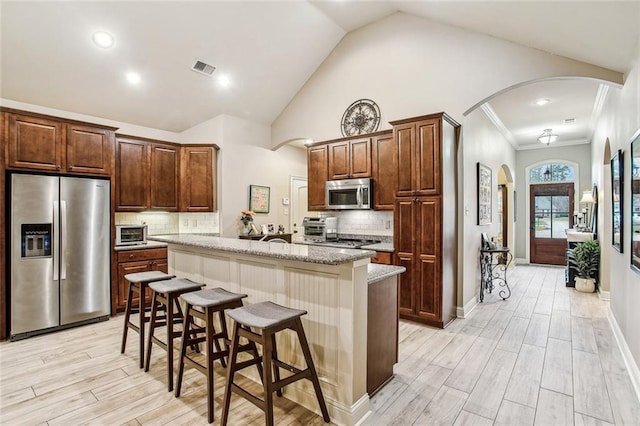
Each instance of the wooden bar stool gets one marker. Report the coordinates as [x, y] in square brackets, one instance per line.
[269, 318]
[138, 283]
[165, 294]
[204, 304]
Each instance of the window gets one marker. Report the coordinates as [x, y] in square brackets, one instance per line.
[553, 172]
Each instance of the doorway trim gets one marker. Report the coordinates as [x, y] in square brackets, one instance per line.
[527, 206]
[293, 179]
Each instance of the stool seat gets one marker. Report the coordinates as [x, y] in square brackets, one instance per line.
[147, 277]
[174, 285]
[211, 297]
[264, 315]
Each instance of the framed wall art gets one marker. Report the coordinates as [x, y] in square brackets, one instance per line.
[635, 202]
[484, 194]
[617, 192]
[259, 198]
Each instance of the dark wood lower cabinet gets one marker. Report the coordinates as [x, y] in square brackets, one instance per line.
[427, 288]
[134, 261]
[382, 332]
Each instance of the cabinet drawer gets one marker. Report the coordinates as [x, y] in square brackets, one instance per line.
[382, 257]
[134, 255]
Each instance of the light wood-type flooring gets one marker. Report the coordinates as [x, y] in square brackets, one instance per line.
[546, 356]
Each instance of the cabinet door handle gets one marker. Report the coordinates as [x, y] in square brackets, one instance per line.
[130, 256]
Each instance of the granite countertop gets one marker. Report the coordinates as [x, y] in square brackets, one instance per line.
[387, 247]
[378, 272]
[297, 252]
[149, 245]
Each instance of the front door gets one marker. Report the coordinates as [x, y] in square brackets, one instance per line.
[551, 215]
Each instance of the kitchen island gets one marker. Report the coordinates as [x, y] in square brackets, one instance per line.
[330, 284]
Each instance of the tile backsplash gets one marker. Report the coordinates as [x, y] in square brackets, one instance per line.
[172, 223]
[363, 222]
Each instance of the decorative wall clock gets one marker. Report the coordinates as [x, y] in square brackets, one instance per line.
[362, 116]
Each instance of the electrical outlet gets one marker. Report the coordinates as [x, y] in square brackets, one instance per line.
[387, 224]
[285, 210]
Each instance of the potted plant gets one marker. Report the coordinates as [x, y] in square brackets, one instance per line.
[584, 259]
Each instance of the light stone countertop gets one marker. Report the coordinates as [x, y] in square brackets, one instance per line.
[296, 252]
[386, 247]
[378, 272]
[149, 245]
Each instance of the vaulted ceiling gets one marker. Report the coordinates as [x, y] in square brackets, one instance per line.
[268, 50]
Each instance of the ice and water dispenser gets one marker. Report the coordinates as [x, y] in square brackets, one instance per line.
[36, 240]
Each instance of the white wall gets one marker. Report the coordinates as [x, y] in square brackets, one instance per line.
[578, 154]
[481, 142]
[619, 120]
[123, 128]
[411, 66]
[245, 159]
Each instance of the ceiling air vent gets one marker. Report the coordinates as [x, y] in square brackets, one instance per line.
[202, 68]
[569, 120]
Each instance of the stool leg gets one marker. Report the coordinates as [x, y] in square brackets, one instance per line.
[170, 322]
[127, 315]
[267, 383]
[314, 376]
[183, 348]
[152, 327]
[210, 340]
[143, 305]
[276, 369]
[231, 370]
[225, 338]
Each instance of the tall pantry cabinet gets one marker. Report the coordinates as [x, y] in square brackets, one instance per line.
[425, 217]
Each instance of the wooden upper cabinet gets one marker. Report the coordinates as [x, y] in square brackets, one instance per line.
[384, 171]
[165, 176]
[45, 143]
[163, 169]
[418, 157]
[89, 150]
[318, 170]
[360, 158]
[428, 157]
[339, 160]
[198, 178]
[132, 175]
[35, 143]
[350, 159]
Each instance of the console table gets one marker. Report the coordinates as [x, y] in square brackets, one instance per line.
[493, 268]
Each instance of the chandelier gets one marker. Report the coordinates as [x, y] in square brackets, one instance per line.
[547, 137]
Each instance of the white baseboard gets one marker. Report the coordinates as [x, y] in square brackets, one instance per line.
[520, 261]
[632, 367]
[604, 295]
[463, 312]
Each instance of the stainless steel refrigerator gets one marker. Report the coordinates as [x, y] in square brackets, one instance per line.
[60, 252]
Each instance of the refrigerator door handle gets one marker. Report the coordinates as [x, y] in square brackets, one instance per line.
[63, 240]
[56, 230]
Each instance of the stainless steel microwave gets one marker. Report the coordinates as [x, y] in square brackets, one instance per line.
[349, 194]
[129, 235]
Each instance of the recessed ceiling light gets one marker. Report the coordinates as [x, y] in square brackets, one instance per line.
[541, 102]
[569, 120]
[103, 39]
[224, 81]
[133, 78]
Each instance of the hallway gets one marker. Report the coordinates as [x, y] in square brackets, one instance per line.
[546, 356]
